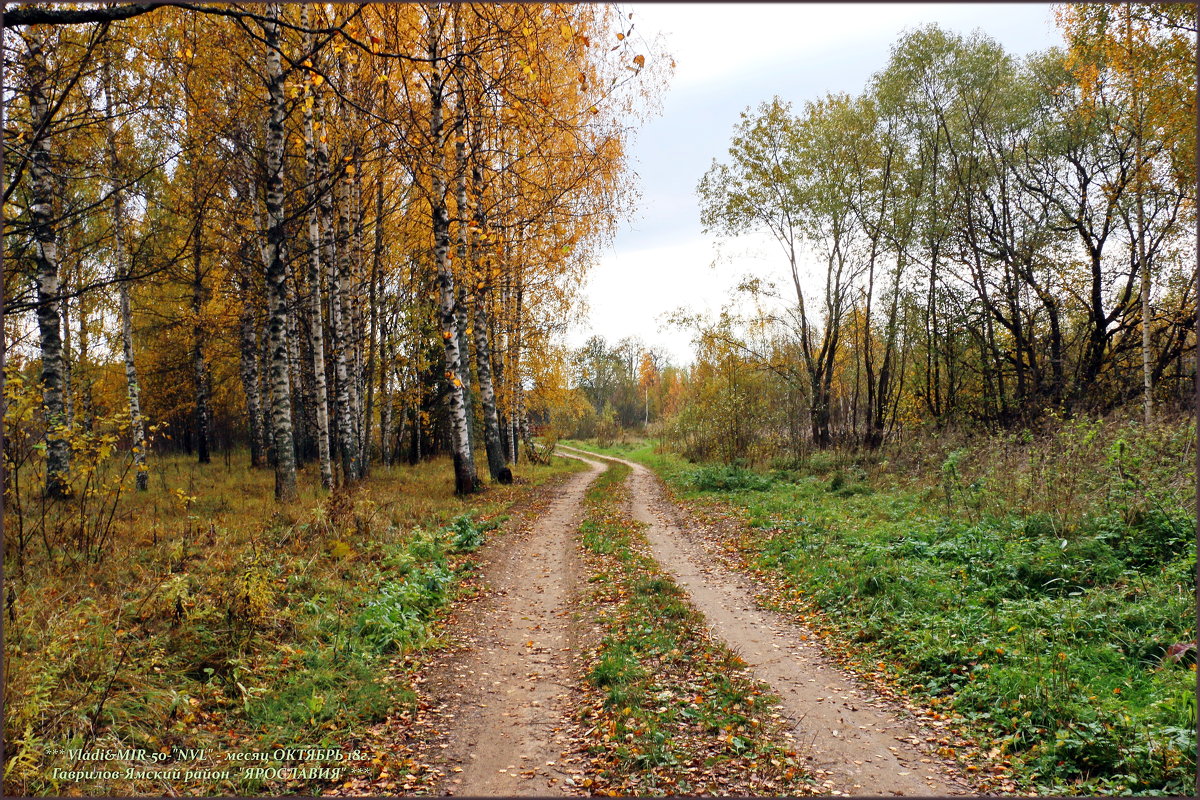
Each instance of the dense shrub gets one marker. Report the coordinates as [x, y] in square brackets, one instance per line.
[723, 478]
[396, 617]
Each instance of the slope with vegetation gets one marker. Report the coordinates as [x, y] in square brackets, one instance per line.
[957, 432]
[214, 622]
[1026, 588]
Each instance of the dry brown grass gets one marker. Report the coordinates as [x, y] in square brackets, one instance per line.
[205, 606]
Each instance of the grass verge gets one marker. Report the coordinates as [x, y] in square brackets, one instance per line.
[218, 623]
[1042, 643]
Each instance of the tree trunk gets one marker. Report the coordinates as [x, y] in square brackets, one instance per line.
[464, 467]
[86, 399]
[1056, 350]
[501, 352]
[1140, 165]
[462, 319]
[465, 261]
[68, 357]
[372, 335]
[281, 402]
[819, 411]
[339, 299]
[302, 400]
[200, 376]
[357, 324]
[120, 256]
[1096, 348]
[932, 377]
[1147, 370]
[202, 414]
[250, 383]
[487, 396]
[58, 454]
[499, 374]
[514, 373]
[385, 403]
[316, 321]
[136, 427]
[263, 373]
[329, 258]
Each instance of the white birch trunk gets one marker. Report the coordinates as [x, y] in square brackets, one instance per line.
[58, 454]
[357, 318]
[120, 255]
[329, 261]
[68, 350]
[464, 467]
[281, 402]
[487, 396]
[494, 448]
[302, 397]
[315, 317]
[248, 335]
[463, 311]
[372, 332]
[339, 299]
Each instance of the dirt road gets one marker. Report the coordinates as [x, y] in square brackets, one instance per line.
[846, 732]
[503, 702]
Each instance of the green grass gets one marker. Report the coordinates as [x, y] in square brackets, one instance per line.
[1046, 640]
[676, 712]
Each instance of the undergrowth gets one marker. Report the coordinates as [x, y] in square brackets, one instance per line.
[724, 478]
[219, 622]
[1028, 585]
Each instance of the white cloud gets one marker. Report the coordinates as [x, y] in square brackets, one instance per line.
[632, 292]
[716, 40]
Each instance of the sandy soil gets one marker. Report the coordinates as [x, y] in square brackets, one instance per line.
[850, 735]
[501, 705]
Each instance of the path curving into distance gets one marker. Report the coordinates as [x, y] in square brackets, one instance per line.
[840, 726]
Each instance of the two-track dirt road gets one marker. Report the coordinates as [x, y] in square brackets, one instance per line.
[503, 700]
[863, 748]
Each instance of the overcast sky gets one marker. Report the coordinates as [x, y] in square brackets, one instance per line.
[728, 57]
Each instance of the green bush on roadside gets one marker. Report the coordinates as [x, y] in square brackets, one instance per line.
[729, 478]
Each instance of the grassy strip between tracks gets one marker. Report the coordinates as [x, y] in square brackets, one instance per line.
[667, 710]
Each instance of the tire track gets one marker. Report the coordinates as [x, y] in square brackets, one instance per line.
[505, 698]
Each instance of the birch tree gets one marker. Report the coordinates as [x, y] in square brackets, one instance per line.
[276, 273]
[465, 477]
[46, 258]
[316, 324]
[123, 274]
